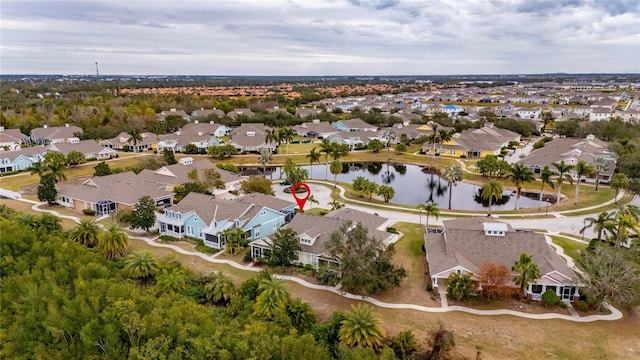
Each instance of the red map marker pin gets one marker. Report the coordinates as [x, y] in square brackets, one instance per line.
[301, 201]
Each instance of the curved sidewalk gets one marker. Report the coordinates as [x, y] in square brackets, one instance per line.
[615, 313]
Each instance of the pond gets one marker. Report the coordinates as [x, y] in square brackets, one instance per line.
[414, 185]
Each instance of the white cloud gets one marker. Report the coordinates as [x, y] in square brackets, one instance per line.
[299, 37]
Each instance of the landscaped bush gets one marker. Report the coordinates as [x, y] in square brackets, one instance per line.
[327, 276]
[89, 212]
[550, 298]
[168, 238]
[229, 167]
[581, 305]
[247, 255]
[124, 216]
[392, 230]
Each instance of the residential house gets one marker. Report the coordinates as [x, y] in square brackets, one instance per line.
[288, 208]
[168, 176]
[630, 116]
[10, 139]
[163, 114]
[571, 151]
[313, 232]
[204, 113]
[55, 134]
[474, 143]
[600, 113]
[306, 112]
[202, 135]
[250, 137]
[354, 125]
[206, 218]
[89, 148]
[355, 139]
[123, 141]
[241, 112]
[528, 113]
[21, 159]
[315, 129]
[465, 244]
[111, 193]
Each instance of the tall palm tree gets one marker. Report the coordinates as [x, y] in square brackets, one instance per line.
[274, 298]
[520, 174]
[135, 139]
[171, 280]
[490, 190]
[545, 178]
[141, 265]
[563, 171]
[582, 169]
[326, 147]
[219, 289]
[600, 165]
[301, 315]
[265, 158]
[49, 223]
[270, 136]
[361, 328]
[286, 136]
[113, 243]
[526, 271]
[623, 146]
[433, 139]
[452, 174]
[604, 222]
[86, 233]
[443, 137]
[336, 169]
[619, 181]
[314, 158]
[39, 168]
[627, 220]
[430, 209]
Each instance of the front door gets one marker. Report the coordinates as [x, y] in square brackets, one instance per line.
[567, 293]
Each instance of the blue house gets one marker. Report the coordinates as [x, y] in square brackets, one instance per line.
[206, 218]
[21, 159]
[452, 109]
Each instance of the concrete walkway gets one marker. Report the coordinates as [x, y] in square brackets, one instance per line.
[615, 313]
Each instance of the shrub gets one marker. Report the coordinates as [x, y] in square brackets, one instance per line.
[581, 305]
[323, 212]
[550, 298]
[89, 212]
[392, 230]
[247, 255]
[563, 305]
[229, 167]
[429, 286]
[327, 276]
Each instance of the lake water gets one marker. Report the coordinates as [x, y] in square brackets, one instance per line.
[414, 186]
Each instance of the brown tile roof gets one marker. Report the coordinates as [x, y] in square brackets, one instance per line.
[464, 243]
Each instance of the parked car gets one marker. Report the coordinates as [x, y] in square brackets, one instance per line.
[285, 183]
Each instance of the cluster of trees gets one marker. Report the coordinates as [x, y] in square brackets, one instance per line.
[85, 304]
[617, 227]
[368, 188]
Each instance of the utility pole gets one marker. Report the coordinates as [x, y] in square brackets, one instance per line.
[97, 72]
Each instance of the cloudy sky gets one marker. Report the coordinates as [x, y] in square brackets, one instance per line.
[319, 37]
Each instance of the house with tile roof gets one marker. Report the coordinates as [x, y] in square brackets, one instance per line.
[474, 143]
[55, 134]
[123, 141]
[89, 148]
[355, 139]
[169, 176]
[571, 151]
[313, 232]
[206, 218]
[111, 193]
[11, 139]
[463, 245]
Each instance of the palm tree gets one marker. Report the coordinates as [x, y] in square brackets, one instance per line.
[113, 243]
[301, 315]
[265, 158]
[135, 139]
[526, 271]
[273, 298]
[563, 171]
[433, 139]
[619, 181]
[452, 174]
[627, 220]
[312, 200]
[623, 146]
[361, 328]
[39, 168]
[430, 209]
[314, 158]
[171, 280]
[326, 147]
[141, 265]
[86, 233]
[443, 137]
[286, 135]
[270, 136]
[604, 221]
[49, 223]
[336, 169]
[490, 190]
[336, 205]
[519, 175]
[545, 178]
[219, 289]
[600, 165]
[582, 169]
[57, 170]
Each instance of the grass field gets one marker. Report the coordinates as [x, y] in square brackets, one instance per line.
[571, 248]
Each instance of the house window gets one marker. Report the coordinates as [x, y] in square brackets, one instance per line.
[256, 232]
[458, 271]
[263, 212]
[189, 230]
[536, 289]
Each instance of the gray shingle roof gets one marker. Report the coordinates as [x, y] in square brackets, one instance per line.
[177, 174]
[55, 132]
[269, 201]
[464, 243]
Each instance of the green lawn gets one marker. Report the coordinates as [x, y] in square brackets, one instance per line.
[571, 248]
